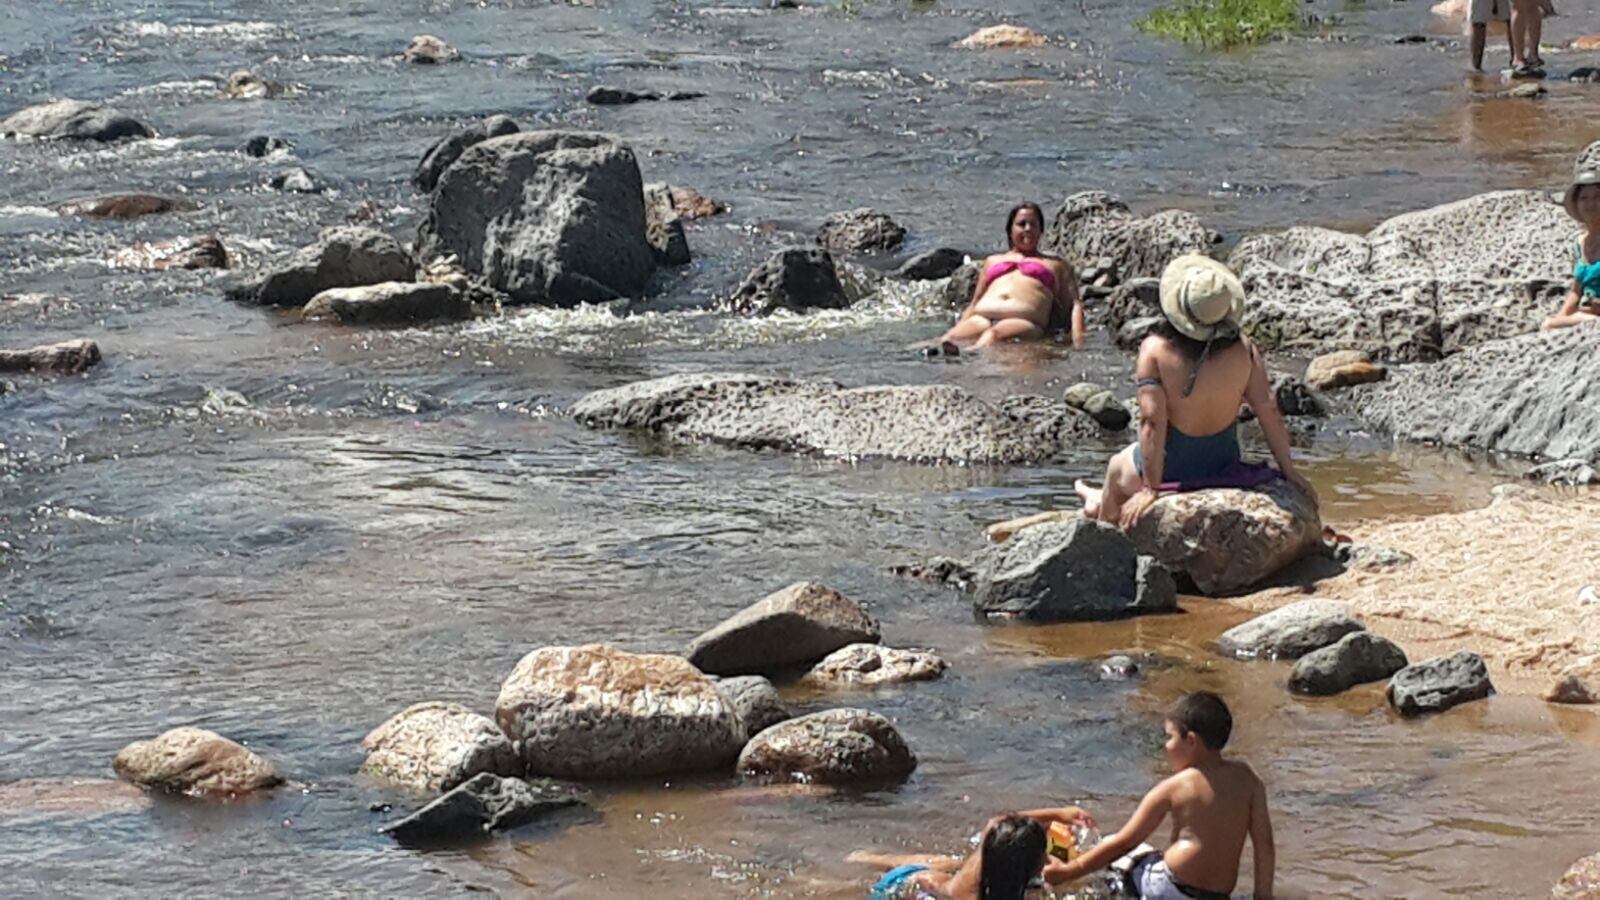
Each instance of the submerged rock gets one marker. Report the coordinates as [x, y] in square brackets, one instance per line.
[871, 665]
[1290, 632]
[389, 303]
[941, 262]
[67, 357]
[75, 798]
[124, 206]
[794, 278]
[199, 252]
[931, 423]
[1343, 369]
[551, 217]
[448, 150]
[436, 746]
[1533, 395]
[605, 95]
[485, 803]
[242, 85]
[1061, 571]
[73, 120]
[344, 256]
[1440, 683]
[264, 145]
[861, 230]
[598, 712]
[427, 50]
[1002, 36]
[1095, 225]
[1226, 539]
[1356, 658]
[756, 701]
[1581, 881]
[195, 762]
[796, 626]
[295, 181]
[835, 746]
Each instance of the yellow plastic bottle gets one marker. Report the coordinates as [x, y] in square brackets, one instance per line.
[1061, 843]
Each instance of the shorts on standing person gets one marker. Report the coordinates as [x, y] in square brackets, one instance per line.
[1482, 11]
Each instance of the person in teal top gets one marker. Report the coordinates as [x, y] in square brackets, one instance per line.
[1582, 303]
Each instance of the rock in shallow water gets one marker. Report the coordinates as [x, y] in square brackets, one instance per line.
[598, 712]
[756, 701]
[1095, 225]
[1062, 571]
[199, 252]
[195, 762]
[1357, 658]
[427, 50]
[448, 150]
[796, 626]
[124, 206]
[436, 746]
[345, 256]
[485, 803]
[871, 665]
[74, 120]
[1440, 683]
[389, 303]
[1226, 539]
[938, 263]
[794, 278]
[295, 181]
[861, 230]
[1004, 36]
[835, 746]
[1290, 632]
[68, 357]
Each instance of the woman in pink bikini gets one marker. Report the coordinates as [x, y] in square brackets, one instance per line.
[1021, 295]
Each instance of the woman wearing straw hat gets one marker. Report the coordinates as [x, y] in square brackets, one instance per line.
[1582, 303]
[1192, 374]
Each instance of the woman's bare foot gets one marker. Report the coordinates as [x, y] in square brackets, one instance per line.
[1090, 496]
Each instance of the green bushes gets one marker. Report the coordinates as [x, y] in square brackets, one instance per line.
[1224, 23]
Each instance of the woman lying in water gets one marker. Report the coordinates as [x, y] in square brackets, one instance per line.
[1006, 865]
[1582, 303]
[1021, 295]
[1192, 375]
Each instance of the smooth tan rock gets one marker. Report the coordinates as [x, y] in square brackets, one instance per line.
[389, 303]
[242, 85]
[1002, 37]
[796, 626]
[1228, 539]
[67, 357]
[1587, 42]
[836, 746]
[870, 665]
[1342, 369]
[436, 746]
[1581, 881]
[196, 762]
[69, 797]
[598, 712]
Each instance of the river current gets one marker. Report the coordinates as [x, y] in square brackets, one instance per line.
[288, 532]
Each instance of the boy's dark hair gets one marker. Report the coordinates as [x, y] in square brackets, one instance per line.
[1203, 713]
[1013, 853]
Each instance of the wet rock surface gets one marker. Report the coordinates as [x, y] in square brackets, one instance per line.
[124, 206]
[941, 262]
[1369, 557]
[835, 746]
[76, 798]
[549, 217]
[861, 230]
[794, 278]
[295, 181]
[1533, 395]
[389, 303]
[1343, 368]
[870, 665]
[1004, 36]
[263, 145]
[935, 423]
[595, 712]
[1226, 539]
[1060, 571]
[74, 120]
[428, 50]
[344, 256]
[436, 746]
[664, 227]
[243, 85]
[198, 252]
[449, 149]
[796, 626]
[1439, 684]
[756, 701]
[67, 357]
[1565, 472]
[1290, 632]
[195, 762]
[484, 803]
[1357, 658]
[1095, 225]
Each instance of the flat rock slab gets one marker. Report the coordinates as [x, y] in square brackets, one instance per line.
[76, 798]
[835, 746]
[485, 803]
[1227, 539]
[1439, 684]
[195, 762]
[796, 626]
[436, 746]
[390, 303]
[1291, 631]
[67, 357]
[124, 206]
[74, 120]
[871, 665]
[345, 256]
[1357, 658]
[933, 423]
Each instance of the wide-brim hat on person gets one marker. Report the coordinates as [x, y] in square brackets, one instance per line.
[1580, 177]
[1201, 297]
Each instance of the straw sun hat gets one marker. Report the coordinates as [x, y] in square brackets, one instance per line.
[1587, 172]
[1201, 297]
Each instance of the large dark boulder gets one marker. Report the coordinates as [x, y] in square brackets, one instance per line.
[345, 256]
[1064, 571]
[550, 217]
[920, 423]
[794, 278]
[1535, 395]
[1357, 658]
[449, 149]
[1437, 684]
[1095, 225]
[796, 626]
[74, 120]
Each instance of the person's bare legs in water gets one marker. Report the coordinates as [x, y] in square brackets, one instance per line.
[1527, 27]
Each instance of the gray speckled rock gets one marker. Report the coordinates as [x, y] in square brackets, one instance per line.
[551, 217]
[1226, 539]
[598, 712]
[1061, 571]
[436, 746]
[793, 278]
[861, 231]
[483, 804]
[196, 762]
[74, 120]
[931, 423]
[835, 746]
[1356, 658]
[1096, 225]
[796, 626]
[1290, 632]
[449, 149]
[1437, 684]
[756, 701]
[389, 303]
[1537, 395]
[870, 665]
[346, 256]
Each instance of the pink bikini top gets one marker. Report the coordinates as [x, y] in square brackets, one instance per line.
[1032, 268]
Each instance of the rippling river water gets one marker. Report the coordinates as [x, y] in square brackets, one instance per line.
[287, 532]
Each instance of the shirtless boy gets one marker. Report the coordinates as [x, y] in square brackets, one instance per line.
[1215, 803]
